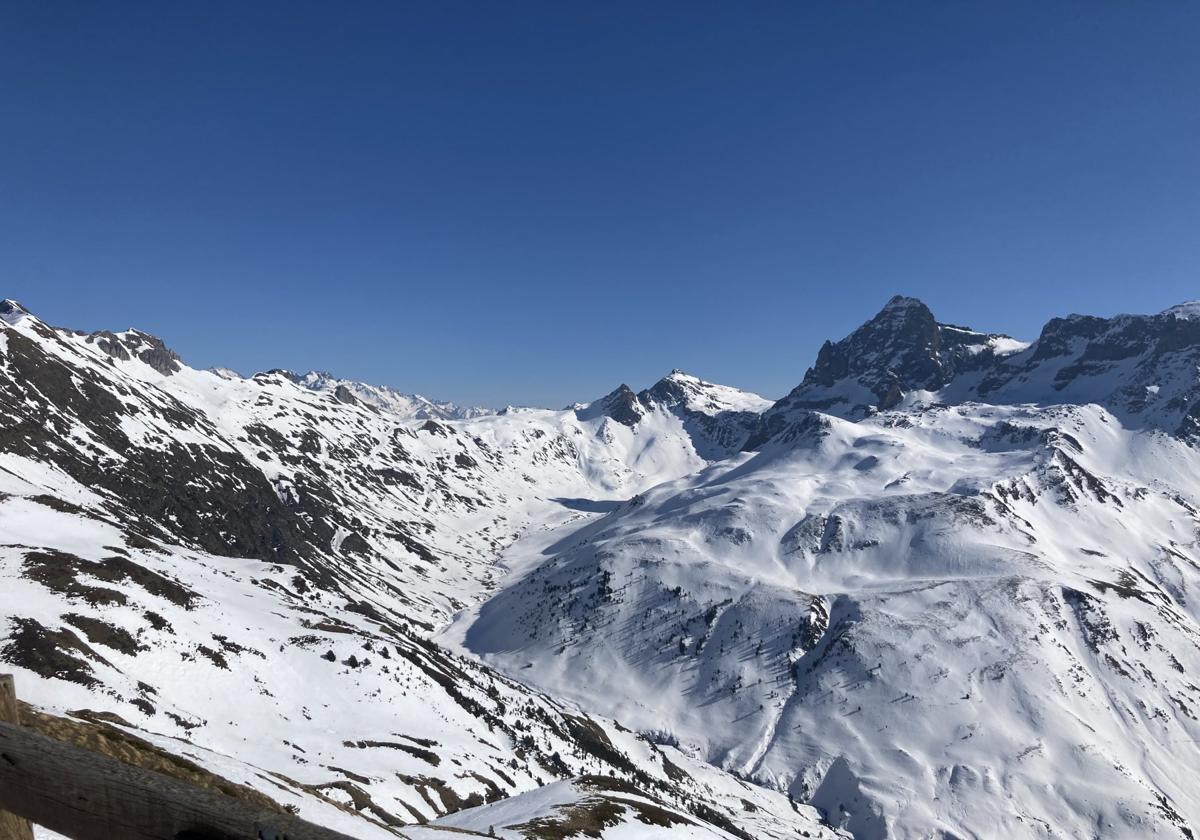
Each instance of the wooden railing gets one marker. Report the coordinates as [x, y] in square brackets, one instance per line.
[88, 796]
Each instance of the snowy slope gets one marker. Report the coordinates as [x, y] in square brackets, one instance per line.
[245, 572]
[314, 703]
[950, 617]
[349, 493]
[937, 616]
[946, 586]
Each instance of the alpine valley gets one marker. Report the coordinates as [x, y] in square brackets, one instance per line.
[947, 587]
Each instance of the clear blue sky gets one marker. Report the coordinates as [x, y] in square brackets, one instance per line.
[531, 202]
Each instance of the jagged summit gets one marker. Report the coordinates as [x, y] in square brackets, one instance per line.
[904, 303]
[621, 404]
[674, 388]
[903, 348]
[135, 344]
[1142, 367]
[716, 419]
[123, 346]
[313, 377]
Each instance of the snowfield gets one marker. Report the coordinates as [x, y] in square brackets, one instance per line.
[946, 587]
[914, 622]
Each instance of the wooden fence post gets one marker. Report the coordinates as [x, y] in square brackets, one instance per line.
[12, 827]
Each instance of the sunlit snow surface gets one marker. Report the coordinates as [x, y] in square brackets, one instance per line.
[1011, 631]
[971, 615]
[312, 681]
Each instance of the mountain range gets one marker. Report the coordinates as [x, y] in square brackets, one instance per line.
[945, 587]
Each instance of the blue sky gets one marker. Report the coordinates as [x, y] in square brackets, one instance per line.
[531, 202]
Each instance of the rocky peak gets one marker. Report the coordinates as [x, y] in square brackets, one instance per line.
[673, 389]
[11, 312]
[1096, 341]
[344, 395]
[1143, 368]
[900, 343]
[621, 405]
[903, 306]
[902, 348]
[135, 344]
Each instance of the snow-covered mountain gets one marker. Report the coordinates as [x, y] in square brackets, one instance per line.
[246, 572]
[1142, 368]
[947, 586]
[717, 420]
[404, 406]
[926, 613]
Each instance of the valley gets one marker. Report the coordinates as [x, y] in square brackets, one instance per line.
[947, 586]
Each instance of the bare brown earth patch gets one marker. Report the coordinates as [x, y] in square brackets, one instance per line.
[102, 633]
[55, 654]
[60, 572]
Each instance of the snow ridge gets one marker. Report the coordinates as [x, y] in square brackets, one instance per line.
[405, 406]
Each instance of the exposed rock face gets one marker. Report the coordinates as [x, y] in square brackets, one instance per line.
[193, 486]
[902, 345]
[344, 395]
[678, 389]
[139, 345]
[1142, 367]
[902, 349]
[621, 405]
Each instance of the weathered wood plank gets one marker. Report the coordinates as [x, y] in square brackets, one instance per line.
[89, 796]
[12, 827]
[9, 712]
